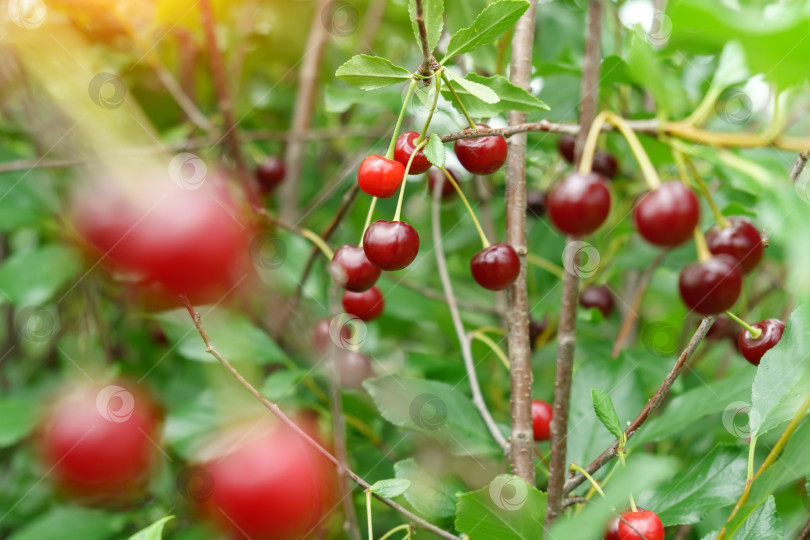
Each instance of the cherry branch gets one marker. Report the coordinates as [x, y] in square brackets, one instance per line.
[798, 167]
[278, 413]
[426, 69]
[605, 457]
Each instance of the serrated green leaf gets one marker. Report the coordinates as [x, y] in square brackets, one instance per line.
[506, 508]
[431, 494]
[432, 11]
[371, 72]
[390, 488]
[512, 98]
[764, 524]
[34, 277]
[606, 412]
[484, 93]
[434, 151]
[153, 531]
[488, 26]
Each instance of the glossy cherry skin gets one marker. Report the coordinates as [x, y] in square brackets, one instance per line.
[599, 297]
[403, 150]
[99, 442]
[605, 164]
[495, 267]
[351, 269]
[270, 173]
[566, 145]
[535, 203]
[271, 486]
[481, 155]
[579, 204]
[541, 419]
[640, 525]
[667, 215]
[391, 245]
[753, 349]
[711, 287]
[740, 239]
[380, 177]
[612, 531]
[436, 175]
[366, 305]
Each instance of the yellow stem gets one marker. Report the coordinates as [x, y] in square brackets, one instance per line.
[416, 150]
[647, 168]
[546, 265]
[588, 477]
[483, 236]
[589, 148]
[368, 219]
[480, 336]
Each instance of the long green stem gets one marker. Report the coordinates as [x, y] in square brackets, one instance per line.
[545, 264]
[368, 219]
[459, 103]
[368, 513]
[438, 84]
[395, 530]
[718, 215]
[483, 338]
[452, 180]
[752, 447]
[588, 477]
[416, 150]
[755, 332]
[411, 89]
[589, 148]
[647, 168]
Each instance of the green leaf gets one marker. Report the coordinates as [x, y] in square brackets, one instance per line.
[280, 384]
[72, 522]
[34, 277]
[434, 151]
[783, 378]
[496, 19]
[506, 508]
[432, 11]
[764, 524]
[371, 72]
[430, 494]
[647, 68]
[512, 98]
[153, 531]
[484, 93]
[393, 487]
[17, 419]
[606, 412]
[433, 408]
[716, 481]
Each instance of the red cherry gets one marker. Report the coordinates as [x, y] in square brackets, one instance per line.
[579, 204]
[541, 419]
[436, 175]
[644, 524]
[566, 145]
[352, 270]
[667, 215]
[599, 297]
[391, 245]
[535, 203]
[495, 267]
[711, 287]
[275, 486]
[612, 531]
[366, 305]
[740, 239]
[380, 177]
[271, 173]
[753, 349]
[99, 442]
[403, 150]
[481, 155]
[605, 164]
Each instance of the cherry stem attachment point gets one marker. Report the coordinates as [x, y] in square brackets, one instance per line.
[392, 145]
[755, 332]
[583, 472]
[484, 240]
[416, 150]
[633, 506]
[368, 219]
[457, 99]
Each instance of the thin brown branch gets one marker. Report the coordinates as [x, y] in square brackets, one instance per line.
[278, 413]
[517, 309]
[426, 69]
[463, 339]
[649, 408]
[801, 162]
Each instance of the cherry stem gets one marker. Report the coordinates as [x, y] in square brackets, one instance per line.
[368, 513]
[483, 338]
[718, 215]
[459, 103]
[589, 148]
[395, 530]
[416, 150]
[633, 506]
[368, 219]
[546, 265]
[647, 168]
[755, 332]
[588, 477]
[411, 89]
[312, 236]
[438, 85]
[703, 252]
[452, 180]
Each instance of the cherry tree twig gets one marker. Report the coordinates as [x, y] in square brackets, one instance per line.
[649, 408]
[278, 413]
[517, 305]
[801, 162]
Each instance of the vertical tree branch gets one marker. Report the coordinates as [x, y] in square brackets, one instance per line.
[566, 335]
[518, 299]
[302, 113]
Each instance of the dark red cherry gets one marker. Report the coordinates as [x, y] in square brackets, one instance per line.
[391, 245]
[366, 305]
[567, 144]
[612, 531]
[605, 164]
[403, 150]
[753, 349]
[352, 270]
[380, 177]
[740, 239]
[711, 287]
[541, 420]
[436, 175]
[599, 297]
[536, 329]
[495, 267]
[535, 203]
[579, 204]
[481, 155]
[667, 215]
[641, 525]
[270, 173]
[722, 328]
